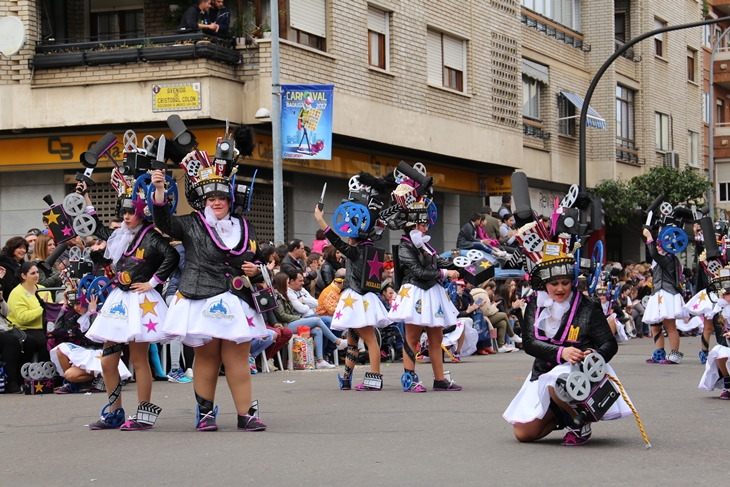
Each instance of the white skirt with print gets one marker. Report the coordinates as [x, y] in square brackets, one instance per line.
[423, 307]
[663, 306]
[712, 378]
[224, 316]
[357, 311]
[86, 359]
[533, 400]
[702, 304]
[128, 316]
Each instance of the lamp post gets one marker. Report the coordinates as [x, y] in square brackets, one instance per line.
[600, 73]
[711, 119]
[276, 125]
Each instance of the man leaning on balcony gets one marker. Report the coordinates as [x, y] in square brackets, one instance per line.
[195, 19]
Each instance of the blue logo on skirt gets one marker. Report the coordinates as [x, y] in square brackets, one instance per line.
[439, 313]
[218, 311]
[418, 306]
[117, 311]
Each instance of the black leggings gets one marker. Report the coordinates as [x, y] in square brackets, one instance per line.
[10, 351]
[35, 342]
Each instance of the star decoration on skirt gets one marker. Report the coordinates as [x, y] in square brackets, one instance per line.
[375, 266]
[250, 321]
[338, 315]
[703, 296]
[697, 305]
[394, 307]
[365, 304]
[403, 293]
[660, 298]
[178, 297]
[151, 326]
[349, 301]
[148, 306]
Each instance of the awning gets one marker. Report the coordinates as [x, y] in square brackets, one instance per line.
[536, 71]
[593, 120]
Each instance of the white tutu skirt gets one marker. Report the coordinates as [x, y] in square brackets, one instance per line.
[712, 379]
[224, 316]
[533, 400]
[702, 304]
[422, 307]
[691, 324]
[127, 316]
[470, 338]
[87, 359]
[358, 311]
[663, 306]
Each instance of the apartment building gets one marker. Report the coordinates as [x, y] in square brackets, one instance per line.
[437, 82]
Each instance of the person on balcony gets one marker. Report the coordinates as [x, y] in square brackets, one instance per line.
[196, 19]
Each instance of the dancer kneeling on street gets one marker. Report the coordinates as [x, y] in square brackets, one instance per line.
[134, 311]
[359, 310]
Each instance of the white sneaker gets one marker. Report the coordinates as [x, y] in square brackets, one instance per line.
[189, 373]
[505, 349]
[271, 365]
[516, 339]
[324, 365]
[343, 344]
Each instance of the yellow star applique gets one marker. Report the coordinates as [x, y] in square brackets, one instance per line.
[349, 301]
[661, 298]
[703, 296]
[148, 306]
[39, 387]
[178, 297]
[365, 304]
[485, 264]
[403, 293]
[99, 356]
[52, 218]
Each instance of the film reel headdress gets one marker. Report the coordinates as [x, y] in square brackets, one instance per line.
[546, 258]
[413, 196]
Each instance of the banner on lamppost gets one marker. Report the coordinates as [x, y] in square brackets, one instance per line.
[306, 121]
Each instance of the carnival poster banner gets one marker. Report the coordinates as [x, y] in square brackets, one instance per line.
[306, 121]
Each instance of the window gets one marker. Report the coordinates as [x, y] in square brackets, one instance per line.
[619, 26]
[625, 135]
[659, 38]
[691, 63]
[307, 23]
[530, 98]
[378, 38]
[693, 148]
[566, 12]
[121, 24]
[723, 191]
[707, 36]
[662, 131]
[705, 107]
[720, 113]
[446, 60]
[566, 126]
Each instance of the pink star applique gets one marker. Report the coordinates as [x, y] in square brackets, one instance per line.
[395, 307]
[697, 305]
[49, 383]
[66, 231]
[139, 206]
[375, 266]
[151, 326]
[338, 315]
[470, 270]
[250, 321]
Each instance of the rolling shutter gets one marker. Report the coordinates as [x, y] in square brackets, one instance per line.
[376, 20]
[309, 16]
[453, 53]
[435, 60]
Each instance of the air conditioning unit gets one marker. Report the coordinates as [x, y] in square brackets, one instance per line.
[671, 159]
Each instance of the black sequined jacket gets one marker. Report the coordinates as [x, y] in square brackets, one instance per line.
[418, 268]
[665, 274]
[589, 330]
[149, 254]
[210, 266]
[353, 277]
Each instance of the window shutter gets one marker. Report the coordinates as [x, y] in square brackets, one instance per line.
[435, 65]
[454, 53]
[376, 20]
[658, 24]
[308, 16]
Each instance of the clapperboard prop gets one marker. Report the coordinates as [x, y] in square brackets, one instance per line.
[147, 413]
[474, 268]
[58, 222]
[373, 380]
[371, 268]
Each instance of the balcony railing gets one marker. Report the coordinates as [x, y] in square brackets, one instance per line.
[628, 54]
[531, 130]
[171, 47]
[551, 29]
[626, 151]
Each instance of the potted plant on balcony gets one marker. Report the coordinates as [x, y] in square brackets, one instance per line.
[245, 28]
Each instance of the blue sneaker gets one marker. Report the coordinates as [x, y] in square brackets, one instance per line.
[177, 375]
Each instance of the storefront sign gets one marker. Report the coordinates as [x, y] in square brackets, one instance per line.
[176, 97]
[496, 184]
[306, 121]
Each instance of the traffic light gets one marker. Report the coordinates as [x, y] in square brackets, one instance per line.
[598, 216]
[568, 221]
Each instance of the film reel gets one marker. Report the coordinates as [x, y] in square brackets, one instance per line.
[35, 371]
[475, 255]
[560, 390]
[49, 370]
[74, 204]
[594, 366]
[74, 253]
[420, 168]
[24, 371]
[84, 225]
[666, 208]
[569, 200]
[461, 261]
[578, 386]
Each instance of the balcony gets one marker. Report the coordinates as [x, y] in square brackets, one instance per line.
[721, 5]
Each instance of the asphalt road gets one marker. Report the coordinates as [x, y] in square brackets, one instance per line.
[319, 435]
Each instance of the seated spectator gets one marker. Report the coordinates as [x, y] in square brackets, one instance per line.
[388, 271]
[293, 262]
[490, 226]
[497, 319]
[512, 305]
[31, 236]
[320, 242]
[314, 263]
[26, 314]
[468, 239]
[44, 246]
[9, 348]
[506, 231]
[332, 262]
[281, 337]
[288, 316]
[77, 359]
[330, 296]
[11, 256]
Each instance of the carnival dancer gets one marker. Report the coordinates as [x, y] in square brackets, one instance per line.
[213, 309]
[358, 310]
[134, 311]
[562, 327]
[716, 374]
[421, 302]
[665, 305]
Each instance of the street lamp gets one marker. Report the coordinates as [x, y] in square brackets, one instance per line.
[276, 125]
